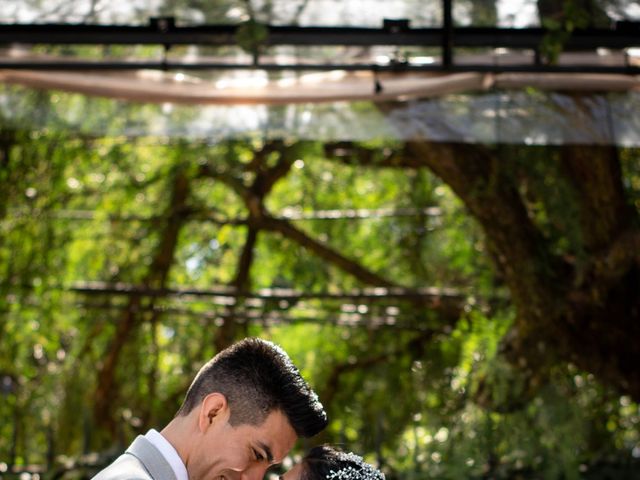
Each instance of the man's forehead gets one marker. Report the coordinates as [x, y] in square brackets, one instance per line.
[277, 436]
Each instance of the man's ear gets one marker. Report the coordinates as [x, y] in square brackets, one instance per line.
[214, 408]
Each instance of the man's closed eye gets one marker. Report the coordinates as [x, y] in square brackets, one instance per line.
[257, 455]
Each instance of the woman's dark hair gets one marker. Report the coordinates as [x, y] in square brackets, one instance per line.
[258, 377]
[329, 463]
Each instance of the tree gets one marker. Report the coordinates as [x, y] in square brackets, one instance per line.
[195, 245]
[464, 311]
[579, 304]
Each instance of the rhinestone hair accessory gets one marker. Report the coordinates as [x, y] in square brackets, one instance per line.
[357, 469]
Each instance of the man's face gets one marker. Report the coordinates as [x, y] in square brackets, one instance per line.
[243, 452]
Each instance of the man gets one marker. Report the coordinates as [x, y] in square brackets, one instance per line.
[242, 413]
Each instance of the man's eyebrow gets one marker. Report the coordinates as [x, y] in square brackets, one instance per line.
[267, 451]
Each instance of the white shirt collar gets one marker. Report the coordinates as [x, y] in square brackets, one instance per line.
[169, 453]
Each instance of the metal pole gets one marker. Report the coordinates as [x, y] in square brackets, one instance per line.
[447, 33]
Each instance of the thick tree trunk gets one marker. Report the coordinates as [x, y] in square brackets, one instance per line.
[535, 277]
[603, 308]
[594, 173]
[582, 315]
[584, 310]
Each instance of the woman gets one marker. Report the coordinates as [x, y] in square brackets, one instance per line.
[327, 463]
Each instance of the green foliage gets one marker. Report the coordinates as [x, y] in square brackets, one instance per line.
[574, 16]
[251, 36]
[434, 399]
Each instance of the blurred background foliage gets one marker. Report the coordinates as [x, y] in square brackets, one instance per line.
[125, 262]
[422, 397]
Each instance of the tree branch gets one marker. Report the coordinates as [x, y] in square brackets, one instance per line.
[289, 231]
[226, 333]
[106, 390]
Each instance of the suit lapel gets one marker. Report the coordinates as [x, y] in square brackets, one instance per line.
[151, 459]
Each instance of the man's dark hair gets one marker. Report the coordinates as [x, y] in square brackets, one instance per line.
[324, 462]
[258, 377]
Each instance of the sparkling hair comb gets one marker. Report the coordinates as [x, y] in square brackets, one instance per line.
[363, 472]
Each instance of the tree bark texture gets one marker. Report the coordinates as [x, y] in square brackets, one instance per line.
[584, 311]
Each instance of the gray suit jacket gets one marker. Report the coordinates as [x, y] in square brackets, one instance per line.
[141, 461]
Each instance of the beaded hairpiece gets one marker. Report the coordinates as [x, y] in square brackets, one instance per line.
[364, 472]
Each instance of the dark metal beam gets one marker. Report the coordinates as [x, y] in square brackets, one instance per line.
[219, 35]
[163, 32]
[447, 33]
